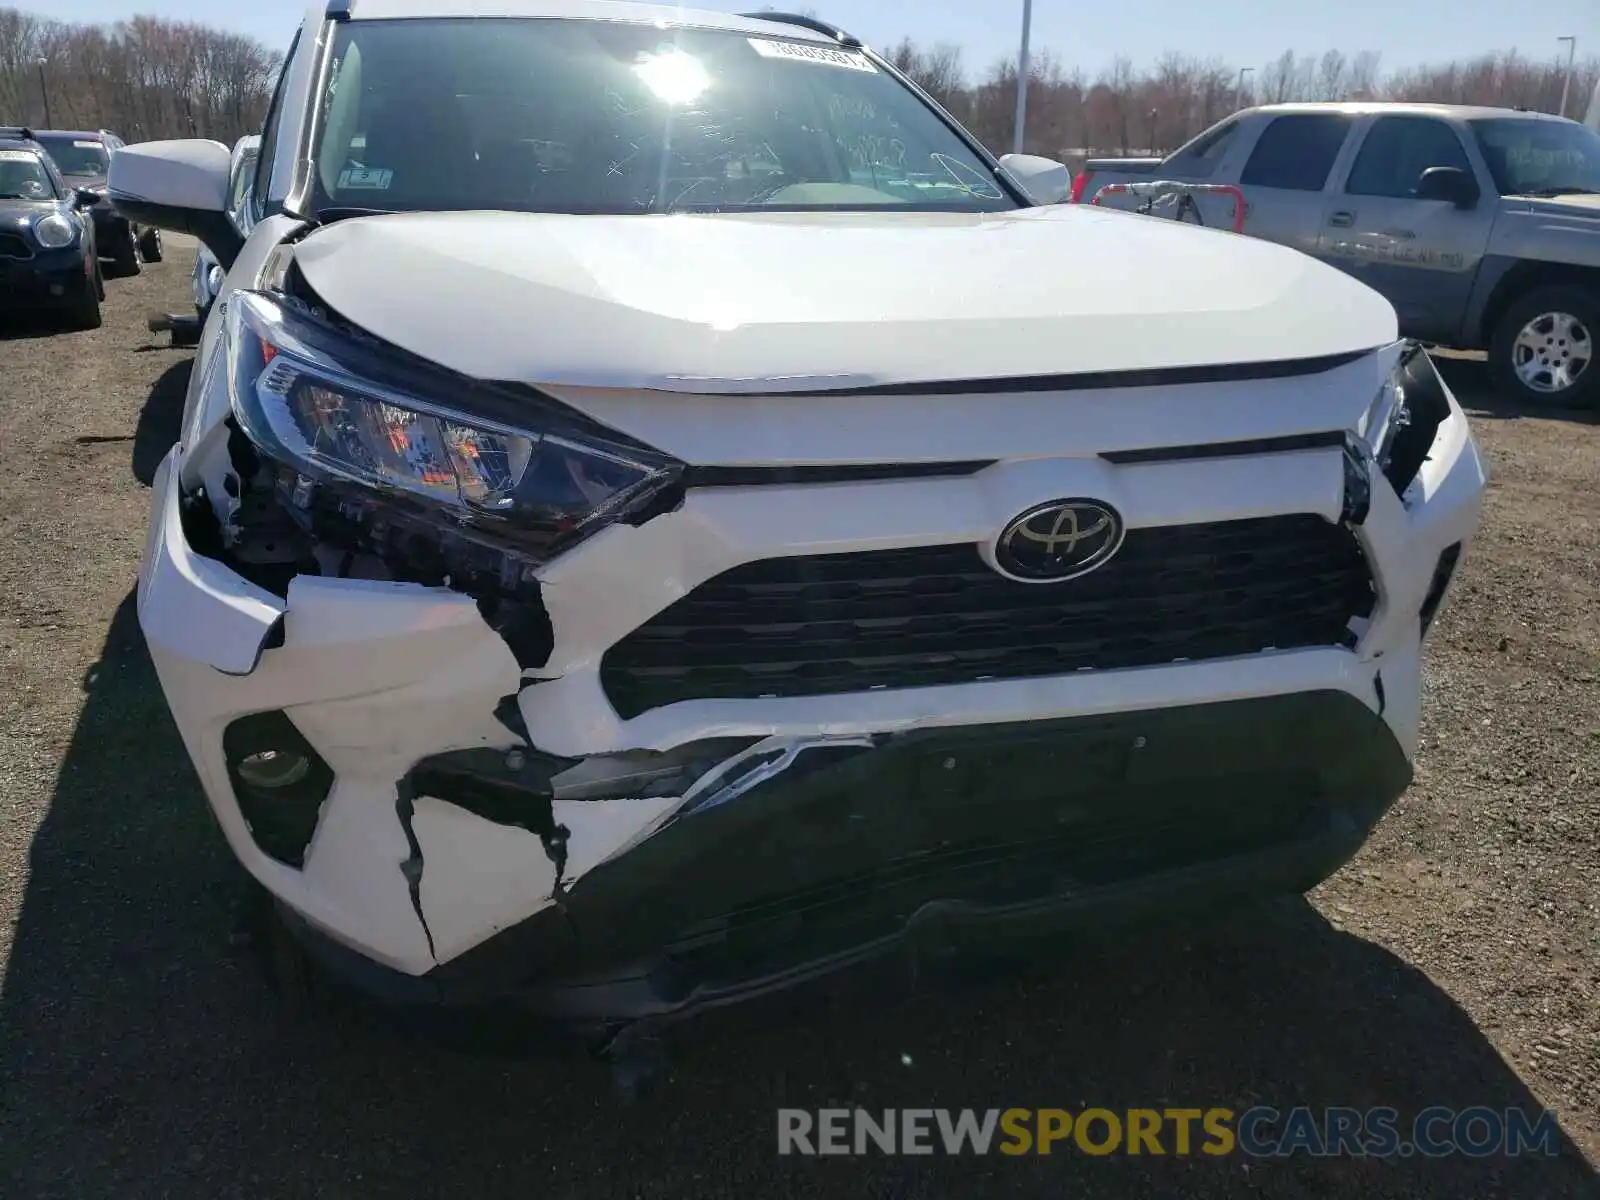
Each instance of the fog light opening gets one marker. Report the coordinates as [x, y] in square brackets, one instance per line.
[273, 768]
[279, 782]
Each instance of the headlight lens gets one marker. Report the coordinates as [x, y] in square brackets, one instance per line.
[1386, 417]
[1403, 420]
[53, 231]
[337, 411]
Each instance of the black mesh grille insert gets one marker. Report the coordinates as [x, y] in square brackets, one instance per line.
[12, 245]
[937, 614]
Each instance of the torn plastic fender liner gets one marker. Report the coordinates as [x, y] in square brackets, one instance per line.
[193, 606]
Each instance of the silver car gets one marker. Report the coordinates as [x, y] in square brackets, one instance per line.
[1480, 225]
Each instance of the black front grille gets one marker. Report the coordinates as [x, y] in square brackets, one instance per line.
[938, 614]
[14, 245]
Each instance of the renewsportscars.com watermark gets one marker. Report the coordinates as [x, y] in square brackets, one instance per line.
[1260, 1132]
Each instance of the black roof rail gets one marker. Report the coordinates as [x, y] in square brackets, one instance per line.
[811, 23]
[20, 132]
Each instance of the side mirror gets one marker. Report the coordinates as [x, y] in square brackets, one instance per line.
[1450, 184]
[1043, 179]
[83, 198]
[181, 186]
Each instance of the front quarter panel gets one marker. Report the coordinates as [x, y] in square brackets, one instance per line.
[1537, 231]
[198, 415]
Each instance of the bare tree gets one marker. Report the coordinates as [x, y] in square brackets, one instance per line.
[144, 78]
[1361, 81]
[152, 78]
[937, 71]
[1157, 109]
[1331, 80]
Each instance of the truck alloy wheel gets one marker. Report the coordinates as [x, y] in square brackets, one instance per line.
[1543, 348]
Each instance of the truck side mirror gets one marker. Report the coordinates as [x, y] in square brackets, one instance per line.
[1450, 184]
[1045, 180]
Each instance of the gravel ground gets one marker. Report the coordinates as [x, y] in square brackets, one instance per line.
[1456, 962]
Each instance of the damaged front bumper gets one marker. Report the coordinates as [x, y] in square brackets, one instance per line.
[939, 841]
[444, 822]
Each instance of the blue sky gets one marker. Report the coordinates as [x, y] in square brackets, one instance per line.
[1242, 32]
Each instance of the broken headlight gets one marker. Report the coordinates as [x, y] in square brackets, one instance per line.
[1385, 418]
[338, 410]
[1404, 418]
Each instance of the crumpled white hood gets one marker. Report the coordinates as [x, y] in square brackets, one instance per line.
[746, 303]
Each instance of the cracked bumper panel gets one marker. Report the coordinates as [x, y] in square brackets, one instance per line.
[374, 675]
[942, 838]
[1405, 541]
[377, 676]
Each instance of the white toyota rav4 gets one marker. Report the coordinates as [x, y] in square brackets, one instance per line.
[661, 514]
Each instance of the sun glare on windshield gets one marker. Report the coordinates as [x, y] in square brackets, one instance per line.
[673, 76]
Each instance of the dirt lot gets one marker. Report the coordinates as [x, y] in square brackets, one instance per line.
[1457, 962]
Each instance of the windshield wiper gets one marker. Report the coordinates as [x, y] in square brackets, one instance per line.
[13, 196]
[1561, 191]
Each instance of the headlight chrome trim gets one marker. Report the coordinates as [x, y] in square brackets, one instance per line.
[64, 235]
[1403, 419]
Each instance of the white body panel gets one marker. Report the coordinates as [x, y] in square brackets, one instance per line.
[188, 174]
[716, 339]
[378, 674]
[749, 304]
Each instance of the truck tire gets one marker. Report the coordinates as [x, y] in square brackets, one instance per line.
[125, 254]
[1543, 347]
[150, 245]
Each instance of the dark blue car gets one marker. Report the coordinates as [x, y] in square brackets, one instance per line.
[84, 157]
[48, 254]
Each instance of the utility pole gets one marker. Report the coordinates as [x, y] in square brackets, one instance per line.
[1238, 94]
[44, 91]
[1566, 84]
[1022, 78]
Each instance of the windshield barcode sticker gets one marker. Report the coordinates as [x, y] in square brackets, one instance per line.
[806, 52]
[365, 177]
[81, 145]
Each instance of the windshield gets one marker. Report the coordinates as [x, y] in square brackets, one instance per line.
[583, 116]
[1540, 158]
[77, 156]
[23, 177]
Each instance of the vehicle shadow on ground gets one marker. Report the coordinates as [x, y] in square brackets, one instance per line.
[160, 420]
[1469, 379]
[143, 1054]
[22, 326]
